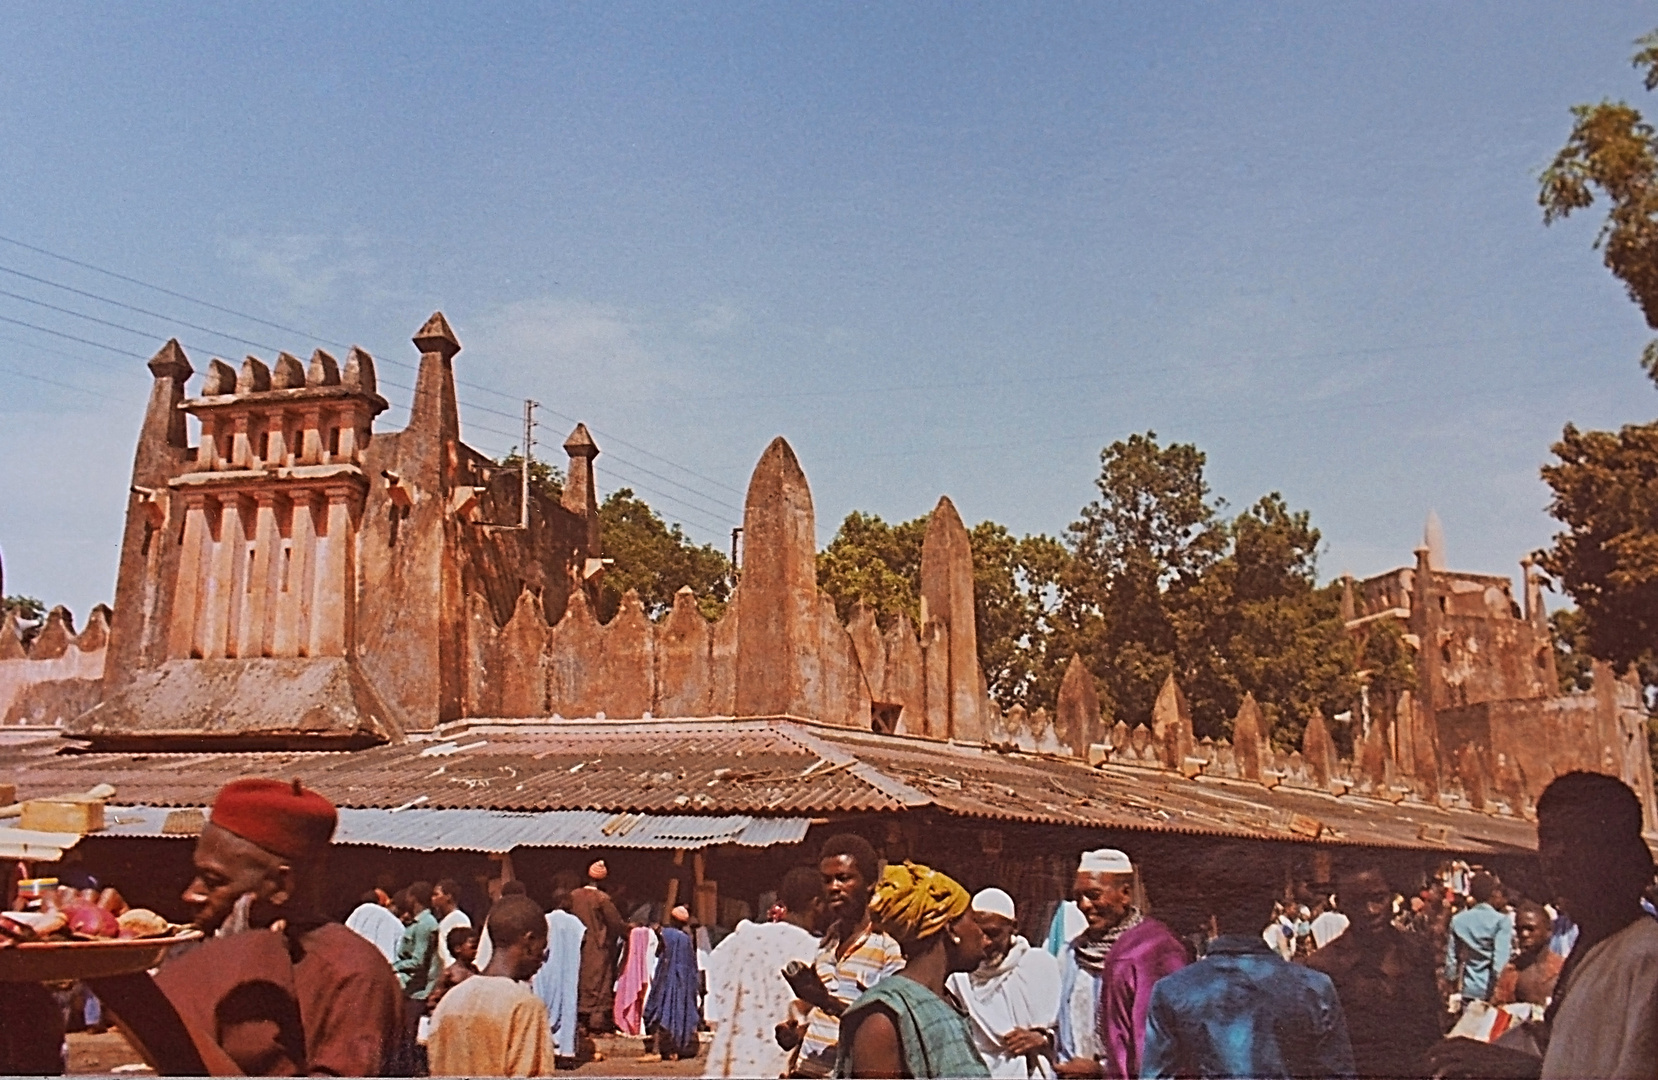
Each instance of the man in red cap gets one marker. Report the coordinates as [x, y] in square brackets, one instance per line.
[281, 989]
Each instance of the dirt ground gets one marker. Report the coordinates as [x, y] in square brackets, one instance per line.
[110, 1053]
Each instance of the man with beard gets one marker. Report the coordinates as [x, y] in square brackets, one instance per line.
[1107, 973]
[309, 998]
[1530, 976]
[1384, 978]
[852, 956]
[1012, 997]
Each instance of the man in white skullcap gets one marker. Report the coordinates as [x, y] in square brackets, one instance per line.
[1107, 971]
[1012, 998]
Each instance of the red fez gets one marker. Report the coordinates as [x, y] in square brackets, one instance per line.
[283, 818]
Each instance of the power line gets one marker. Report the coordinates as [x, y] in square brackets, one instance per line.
[303, 333]
[53, 382]
[632, 446]
[72, 337]
[471, 427]
[132, 307]
[156, 288]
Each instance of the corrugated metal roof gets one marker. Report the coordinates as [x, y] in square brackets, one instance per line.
[711, 770]
[418, 829]
[663, 767]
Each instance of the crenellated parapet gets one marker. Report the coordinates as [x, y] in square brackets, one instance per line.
[58, 673]
[779, 649]
[271, 508]
[296, 578]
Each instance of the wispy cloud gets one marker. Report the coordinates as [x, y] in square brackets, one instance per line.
[304, 272]
[717, 319]
[576, 340]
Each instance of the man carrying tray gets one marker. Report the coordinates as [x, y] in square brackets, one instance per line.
[280, 989]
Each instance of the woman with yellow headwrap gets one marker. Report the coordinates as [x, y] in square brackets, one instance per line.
[908, 1025]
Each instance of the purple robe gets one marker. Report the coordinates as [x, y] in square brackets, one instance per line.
[1139, 958]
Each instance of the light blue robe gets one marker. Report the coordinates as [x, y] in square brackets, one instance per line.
[1070, 1042]
[555, 983]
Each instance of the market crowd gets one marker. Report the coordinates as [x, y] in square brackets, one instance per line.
[864, 968]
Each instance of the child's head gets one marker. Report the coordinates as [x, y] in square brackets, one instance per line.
[463, 944]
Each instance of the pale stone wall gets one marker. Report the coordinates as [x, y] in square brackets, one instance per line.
[59, 675]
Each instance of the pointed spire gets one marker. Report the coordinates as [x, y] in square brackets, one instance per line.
[288, 374]
[1078, 719]
[777, 636]
[1171, 725]
[436, 337]
[434, 410]
[1433, 538]
[11, 638]
[581, 485]
[1247, 749]
[169, 362]
[957, 707]
[324, 370]
[581, 444]
[1317, 751]
[95, 634]
[163, 419]
[55, 637]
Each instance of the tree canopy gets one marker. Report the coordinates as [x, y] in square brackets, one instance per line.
[1151, 580]
[1613, 151]
[1606, 494]
[657, 559]
[1605, 484]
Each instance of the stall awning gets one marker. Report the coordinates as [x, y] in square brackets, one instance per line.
[496, 831]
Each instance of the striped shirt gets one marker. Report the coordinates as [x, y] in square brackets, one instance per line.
[872, 957]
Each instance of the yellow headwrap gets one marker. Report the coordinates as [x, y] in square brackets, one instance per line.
[913, 902]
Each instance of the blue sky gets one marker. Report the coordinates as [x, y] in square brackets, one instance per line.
[942, 248]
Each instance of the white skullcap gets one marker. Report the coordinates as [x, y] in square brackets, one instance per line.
[994, 902]
[1105, 861]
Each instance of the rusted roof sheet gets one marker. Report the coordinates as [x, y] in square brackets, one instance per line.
[978, 782]
[744, 767]
[764, 768]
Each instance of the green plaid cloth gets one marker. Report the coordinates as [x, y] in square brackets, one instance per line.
[931, 1032]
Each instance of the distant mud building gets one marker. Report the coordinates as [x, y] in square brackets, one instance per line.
[297, 584]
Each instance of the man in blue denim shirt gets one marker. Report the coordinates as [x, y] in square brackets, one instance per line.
[1478, 946]
[1243, 1010]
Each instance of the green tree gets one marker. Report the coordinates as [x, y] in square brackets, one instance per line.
[28, 608]
[1016, 583]
[1606, 494]
[1015, 586]
[546, 479]
[1139, 556]
[1573, 662]
[657, 559]
[1612, 150]
[876, 564]
[1258, 623]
